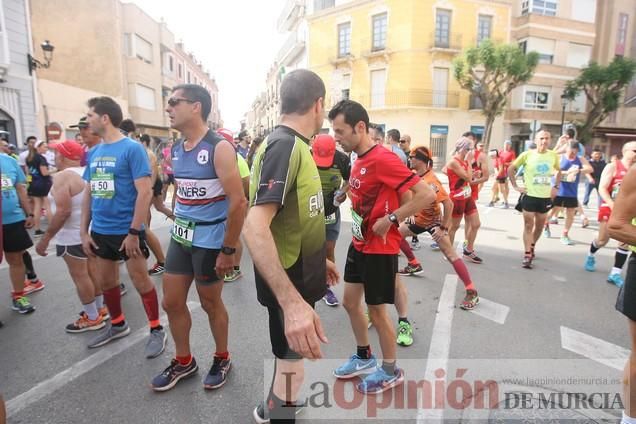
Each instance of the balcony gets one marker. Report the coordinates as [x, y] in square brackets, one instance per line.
[292, 12]
[550, 117]
[496, 41]
[449, 44]
[341, 60]
[411, 98]
[292, 48]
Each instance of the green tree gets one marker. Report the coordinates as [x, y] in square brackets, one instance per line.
[603, 87]
[490, 72]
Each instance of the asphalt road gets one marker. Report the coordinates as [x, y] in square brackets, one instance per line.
[528, 322]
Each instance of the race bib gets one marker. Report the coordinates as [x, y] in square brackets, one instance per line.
[7, 184]
[183, 231]
[542, 180]
[331, 219]
[614, 193]
[103, 186]
[356, 225]
[464, 193]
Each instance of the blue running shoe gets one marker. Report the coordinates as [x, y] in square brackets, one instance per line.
[434, 246]
[171, 375]
[590, 263]
[616, 279]
[356, 366]
[218, 373]
[380, 381]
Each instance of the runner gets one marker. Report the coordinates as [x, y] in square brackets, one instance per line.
[243, 146]
[506, 157]
[432, 221]
[288, 243]
[66, 203]
[481, 173]
[540, 166]
[334, 169]
[460, 173]
[40, 183]
[166, 168]
[572, 166]
[379, 182]
[393, 144]
[598, 164]
[622, 227]
[115, 204]
[210, 210]
[16, 218]
[609, 186]
[22, 157]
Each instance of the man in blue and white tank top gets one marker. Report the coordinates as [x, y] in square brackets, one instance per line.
[209, 214]
[572, 166]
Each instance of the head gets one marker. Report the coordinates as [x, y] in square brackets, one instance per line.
[78, 138]
[479, 146]
[41, 147]
[421, 159]
[570, 133]
[67, 154]
[405, 143]
[471, 136]
[244, 138]
[104, 114]
[145, 139]
[128, 127]
[324, 150]
[302, 96]
[543, 140]
[189, 106]
[376, 133]
[573, 149]
[30, 141]
[629, 153]
[596, 154]
[393, 136]
[350, 122]
[4, 146]
[507, 145]
[463, 146]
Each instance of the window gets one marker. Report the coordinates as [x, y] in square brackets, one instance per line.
[189, 79]
[540, 7]
[578, 55]
[128, 49]
[543, 46]
[323, 4]
[180, 71]
[536, 98]
[584, 10]
[143, 49]
[545, 58]
[621, 36]
[344, 94]
[378, 88]
[442, 28]
[344, 39]
[145, 97]
[170, 63]
[440, 87]
[484, 28]
[379, 32]
[523, 45]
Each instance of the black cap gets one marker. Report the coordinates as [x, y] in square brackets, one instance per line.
[81, 124]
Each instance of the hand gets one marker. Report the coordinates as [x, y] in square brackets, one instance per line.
[303, 330]
[88, 244]
[42, 245]
[130, 246]
[29, 222]
[438, 234]
[333, 276]
[224, 264]
[521, 190]
[382, 226]
[342, 197]
[563, 139]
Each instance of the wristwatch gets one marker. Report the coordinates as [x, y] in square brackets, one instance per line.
[228, 250]
[133, 232]
[394, 219]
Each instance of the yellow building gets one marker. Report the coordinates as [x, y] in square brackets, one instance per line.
[395, 57]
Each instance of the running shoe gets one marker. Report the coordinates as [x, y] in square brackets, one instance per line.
[156, 342]
[527, 262]
[110, 333]
[567, 241]
[122, 289]
[410, 269]
[506, 205]
[616, 279]
[85, 324]
[103, 311]
[470, 301]
[31, 287]
[330, 298]
[218, 373]
[38, 233]
[546, 232]
[404, 334]
[380, 381]
[590, 263]
[471, 256]
[261, 412]
[415, 244]
[171, 375]
[366, 315]
[585, 223]
[22, 305]
[356, 366]
[234, 275]
[157, 269]
[554, 221]
[491, 204]
[434, 246]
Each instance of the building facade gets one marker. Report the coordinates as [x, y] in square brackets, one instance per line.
[395, 58]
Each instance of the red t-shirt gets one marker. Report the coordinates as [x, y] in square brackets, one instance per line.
[378, 178]
[504, 161]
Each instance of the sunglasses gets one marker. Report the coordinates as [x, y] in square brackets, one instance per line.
[174, 102]
[402, 141]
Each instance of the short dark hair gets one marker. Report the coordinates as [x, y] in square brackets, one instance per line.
[393, 134]
[377, 128]
[470, 134]
[299, 91]
[128, 126]
[197, 93]
[106, 106]
[352, 111]
[571, 132]
[242, 135]
[145, 138]
[31, 137]
[597, 149]
[574, 145]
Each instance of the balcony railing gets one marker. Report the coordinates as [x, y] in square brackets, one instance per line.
[450, 42]
[292, 47]
[291, 13]
[421, 98]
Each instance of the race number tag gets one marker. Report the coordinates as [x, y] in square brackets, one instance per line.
[331, 219]
[6, 183]
[103, 186]
[614, 193]
[542, 180]
[467, 191]
[356, 225]
[183, 232]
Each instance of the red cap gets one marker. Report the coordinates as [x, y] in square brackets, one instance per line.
[70, 149]
[226, 134]
[324, 150]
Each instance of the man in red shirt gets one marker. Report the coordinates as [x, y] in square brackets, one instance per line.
[380, 189]
[506, 157]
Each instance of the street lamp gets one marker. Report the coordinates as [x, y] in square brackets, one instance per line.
[564, 103]
[47, 49]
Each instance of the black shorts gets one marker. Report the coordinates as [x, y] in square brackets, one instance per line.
[75, 251]
[502, 180]
[39, 188]
[108, 246]
[536, 204]
[198, 262]
[168, 179]
[566, 202]
[416, 229]
[157, 188]
[280, 347]
[626, 300]
[15, 237]
[376, 272]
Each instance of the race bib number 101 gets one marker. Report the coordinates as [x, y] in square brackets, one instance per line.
[183, 232]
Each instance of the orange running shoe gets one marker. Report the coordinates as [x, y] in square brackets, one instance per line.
[31, 287]
[84, 324]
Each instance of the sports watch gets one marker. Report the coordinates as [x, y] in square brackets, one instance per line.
[228, 250]
[394, 219]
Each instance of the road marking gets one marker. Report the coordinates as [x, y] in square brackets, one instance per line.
[439, 348]
[491, 310]
[559, 278]
[598, 350]
[46, 387]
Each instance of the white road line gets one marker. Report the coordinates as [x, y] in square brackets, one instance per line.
[559, 278]
[598, 350]
[439, 348]
[46, 387]
[491, 310]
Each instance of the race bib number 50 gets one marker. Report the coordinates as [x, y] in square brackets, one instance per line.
[103, 186]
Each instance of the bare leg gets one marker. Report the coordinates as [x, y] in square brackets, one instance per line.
[155, 246]
[212, 304]
[528, 229]
[78, 268]
[453, 228]
[284, 368]
[92, 273]
[505, 190]
[16, 270]
[352, 302]
[175, 295]
[382, 322]
[37, 212]
[473, 223]
[540, 219]
[401, 298]
[569, 219]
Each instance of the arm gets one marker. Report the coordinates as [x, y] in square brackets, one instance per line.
[130, 245]
[61, 192]
[87, 240]
[423, 197]
[464, 174]
[448, 210]
[512, 172]
[620, 223]
[603, 186]
[586, 168]
[159, 205]
[25, 204]
[44, 170]
[485, 171]
[562, 145]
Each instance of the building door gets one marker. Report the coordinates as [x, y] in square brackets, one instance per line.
[7, 128]
[378, 87]
[439, 135]
[440, 87]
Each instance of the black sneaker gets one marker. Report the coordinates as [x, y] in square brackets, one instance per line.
[218, 373]
[261, 412]
[171, 375]
[472, 256]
